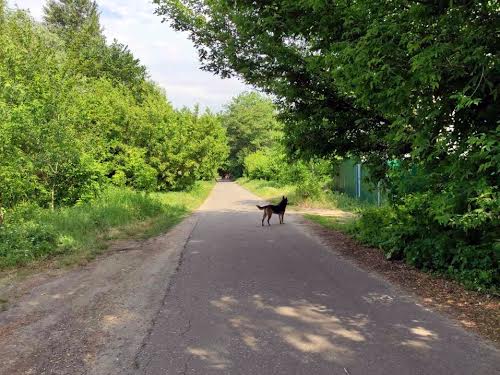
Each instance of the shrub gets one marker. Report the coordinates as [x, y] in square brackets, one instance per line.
[24, 237]
[309, 187]
[265, 164]
[403, 232]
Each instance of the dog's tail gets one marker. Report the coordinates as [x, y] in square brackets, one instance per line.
[260, 208]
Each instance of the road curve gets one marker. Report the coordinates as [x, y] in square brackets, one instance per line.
[259, 300]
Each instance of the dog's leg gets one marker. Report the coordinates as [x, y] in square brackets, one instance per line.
[269, 217]
[263, 217]
[283, 218]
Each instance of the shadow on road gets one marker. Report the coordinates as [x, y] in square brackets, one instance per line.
[308, 330]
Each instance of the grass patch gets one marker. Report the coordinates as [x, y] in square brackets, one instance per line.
[267, 189]
[343, 224]
[76, 234]
[273, 192]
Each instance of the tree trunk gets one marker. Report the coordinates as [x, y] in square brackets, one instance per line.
[52, 203]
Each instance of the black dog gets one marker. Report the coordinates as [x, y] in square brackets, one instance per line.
[276, 209]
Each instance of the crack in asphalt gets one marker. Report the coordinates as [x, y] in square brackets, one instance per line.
[187, 329]
[164, 300]
[186, 365]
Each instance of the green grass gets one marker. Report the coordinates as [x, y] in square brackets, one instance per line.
[343, 224]
[267, 189]
[76, 234]
[326, 199]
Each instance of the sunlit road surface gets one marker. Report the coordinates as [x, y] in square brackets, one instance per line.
[259, 300]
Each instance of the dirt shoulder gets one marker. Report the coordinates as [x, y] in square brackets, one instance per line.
[90, 320]
[474, 311]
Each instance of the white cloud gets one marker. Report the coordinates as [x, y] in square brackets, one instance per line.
[170, 57]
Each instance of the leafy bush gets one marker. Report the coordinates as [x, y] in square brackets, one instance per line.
[403, 233]
[309, 187]
[24, 236]
[251, 124]
[265, 164]
[310, 178]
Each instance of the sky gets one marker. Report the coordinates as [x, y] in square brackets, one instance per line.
[170, 57]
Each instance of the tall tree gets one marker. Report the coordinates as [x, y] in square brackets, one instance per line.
[250, 120]
[359, 77]
[266, 44]
[67, 17]
[77, 23]
[121, 66]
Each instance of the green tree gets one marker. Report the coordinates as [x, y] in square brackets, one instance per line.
[69, 17]
[121, 67]
[77, 23]
[212, 147]
[77, 115]
[41, 158]
[250, 120]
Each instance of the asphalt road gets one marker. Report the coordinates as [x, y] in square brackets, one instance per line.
[259, 300]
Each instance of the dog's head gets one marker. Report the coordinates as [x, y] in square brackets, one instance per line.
[284, 200]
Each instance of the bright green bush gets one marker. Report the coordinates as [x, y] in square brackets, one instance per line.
[251, 124]
[265, 164]
[24, 238]
[403, 233]
[309, 187]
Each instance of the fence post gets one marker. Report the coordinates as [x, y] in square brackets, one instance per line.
[378, 193]
[358, 182]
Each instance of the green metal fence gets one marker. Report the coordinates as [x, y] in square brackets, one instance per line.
[351, 179]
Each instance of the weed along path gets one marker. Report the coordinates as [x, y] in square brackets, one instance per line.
[248, 299]
[219, 294]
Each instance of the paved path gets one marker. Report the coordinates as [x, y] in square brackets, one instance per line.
[273, 300]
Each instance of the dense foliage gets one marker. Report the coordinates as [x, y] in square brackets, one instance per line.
[412, 81]
[77, 115]
[83, 131]
[250, 121]
[256, 141]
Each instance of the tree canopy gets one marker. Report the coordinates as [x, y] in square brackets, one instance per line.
[78, 114]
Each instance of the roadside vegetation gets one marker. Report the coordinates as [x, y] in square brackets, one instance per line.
[90, 147]
[77, 233]
[271, 173]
